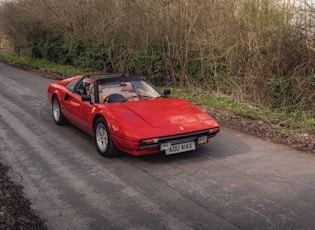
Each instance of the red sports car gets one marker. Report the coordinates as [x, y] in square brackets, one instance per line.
[127, 113]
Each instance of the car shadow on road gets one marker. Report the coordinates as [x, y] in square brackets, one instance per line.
[224, 145]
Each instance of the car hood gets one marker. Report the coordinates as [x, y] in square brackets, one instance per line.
[164, 112]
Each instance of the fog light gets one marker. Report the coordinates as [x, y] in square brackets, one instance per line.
[165, 146]
[202, 140]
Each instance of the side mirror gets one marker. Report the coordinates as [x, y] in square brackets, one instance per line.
[166, 92]
[86, 98]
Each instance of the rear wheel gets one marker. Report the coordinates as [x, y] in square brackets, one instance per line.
[104, 143]
[56, 112]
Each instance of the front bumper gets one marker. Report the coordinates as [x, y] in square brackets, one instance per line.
[181, 138]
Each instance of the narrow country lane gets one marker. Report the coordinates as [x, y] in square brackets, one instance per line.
[234, 182]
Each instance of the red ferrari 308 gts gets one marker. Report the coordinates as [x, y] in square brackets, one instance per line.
[127, 113]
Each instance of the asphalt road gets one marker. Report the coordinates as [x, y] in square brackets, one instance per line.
[234, 182]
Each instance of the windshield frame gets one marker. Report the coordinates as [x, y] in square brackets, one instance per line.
[131, 87]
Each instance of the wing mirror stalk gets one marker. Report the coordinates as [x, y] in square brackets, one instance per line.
[166, 92]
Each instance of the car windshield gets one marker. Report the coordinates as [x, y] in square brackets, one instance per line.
[127, 90]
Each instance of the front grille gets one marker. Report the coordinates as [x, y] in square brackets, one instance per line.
[176, 139]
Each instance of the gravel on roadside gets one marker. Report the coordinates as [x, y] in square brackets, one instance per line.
[15, 210]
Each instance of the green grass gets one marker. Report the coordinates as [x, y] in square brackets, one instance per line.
[41, 64]
[288, 122]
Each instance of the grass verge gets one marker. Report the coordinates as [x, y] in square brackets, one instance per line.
[287, 122]
[41, 64]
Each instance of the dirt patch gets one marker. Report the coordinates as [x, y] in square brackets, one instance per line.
[15, 210]
[303, 141]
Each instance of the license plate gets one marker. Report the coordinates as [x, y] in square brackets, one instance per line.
[179, 148]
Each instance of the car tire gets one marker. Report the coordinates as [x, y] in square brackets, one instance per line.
[103, 140]
[56, 112]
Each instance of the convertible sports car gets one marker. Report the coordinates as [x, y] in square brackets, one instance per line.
[127, 113]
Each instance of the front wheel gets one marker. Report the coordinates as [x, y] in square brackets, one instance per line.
[56, 112]
[104, 143]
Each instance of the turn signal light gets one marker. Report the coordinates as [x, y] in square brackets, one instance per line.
[214, 130]
[150, 141]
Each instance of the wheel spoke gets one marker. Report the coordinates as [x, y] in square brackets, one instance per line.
[102, 137]
[102, 131]
[56, 110]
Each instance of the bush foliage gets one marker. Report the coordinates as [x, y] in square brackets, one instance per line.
[253, 50]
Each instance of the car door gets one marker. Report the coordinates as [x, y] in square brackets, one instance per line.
[80, 111]
[86, 117]
[72, 103]
[85, 110]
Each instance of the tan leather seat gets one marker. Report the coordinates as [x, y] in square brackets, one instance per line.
[127, 92]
